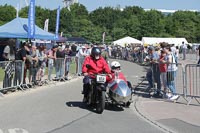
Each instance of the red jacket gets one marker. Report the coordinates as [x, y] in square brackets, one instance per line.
[97, 66]
[120, 76]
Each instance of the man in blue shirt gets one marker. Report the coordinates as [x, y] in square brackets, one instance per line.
[153, 74]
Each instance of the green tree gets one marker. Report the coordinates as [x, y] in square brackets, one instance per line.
[7, 13]
[151, 24]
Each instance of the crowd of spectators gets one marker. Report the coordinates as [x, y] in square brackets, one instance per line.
[40, 61]
[163, 60]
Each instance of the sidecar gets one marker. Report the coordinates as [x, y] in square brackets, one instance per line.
[119, 92]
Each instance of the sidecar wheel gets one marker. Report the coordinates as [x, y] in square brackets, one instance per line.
[128, 104]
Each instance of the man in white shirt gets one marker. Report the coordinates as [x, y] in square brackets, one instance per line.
[82, 53]
[173, 49]
[184, 48]
[90, 49]
[6, 53]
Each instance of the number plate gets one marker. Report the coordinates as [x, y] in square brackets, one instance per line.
[101, 79]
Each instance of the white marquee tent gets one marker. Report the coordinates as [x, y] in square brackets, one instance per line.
[126, 40]
[154, 41]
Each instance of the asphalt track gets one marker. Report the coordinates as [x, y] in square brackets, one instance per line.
[58, 109]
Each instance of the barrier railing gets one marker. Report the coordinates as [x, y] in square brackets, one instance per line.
[73, 65]
[192, 81]
[172, 79]
[11, 75]
[61, 69]
[18, 75]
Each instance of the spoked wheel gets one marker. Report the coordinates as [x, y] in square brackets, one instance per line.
[101, 102]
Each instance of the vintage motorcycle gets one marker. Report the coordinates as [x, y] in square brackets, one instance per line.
[119, 92]
[96, 91]
[96, 95]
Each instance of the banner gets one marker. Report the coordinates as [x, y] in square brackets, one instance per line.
[46, 25]
[103, 37]
[31, 19]
[57, 21]
[61, 34]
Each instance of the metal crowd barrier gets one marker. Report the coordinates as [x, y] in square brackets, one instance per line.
[48, 72]
[11, 75]
[192, 82]
[73, 70]
[57, 70]
[177, 78]
[60, 69]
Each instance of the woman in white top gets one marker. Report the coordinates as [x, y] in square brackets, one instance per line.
[171, 73]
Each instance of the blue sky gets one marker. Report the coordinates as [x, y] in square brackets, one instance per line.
[93, 4]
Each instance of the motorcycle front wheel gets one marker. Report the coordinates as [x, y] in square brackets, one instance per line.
[101, 102]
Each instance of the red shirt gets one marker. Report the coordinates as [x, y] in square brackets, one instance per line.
[96, 66]
[120, 76]
[162, 66]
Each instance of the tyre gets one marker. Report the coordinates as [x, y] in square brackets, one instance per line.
[101, 102]
[128, 104]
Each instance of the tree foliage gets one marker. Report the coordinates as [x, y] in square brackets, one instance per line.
[131, 21]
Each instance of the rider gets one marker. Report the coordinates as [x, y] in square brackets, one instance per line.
[116, 71]
[116, 68]
[94, 64]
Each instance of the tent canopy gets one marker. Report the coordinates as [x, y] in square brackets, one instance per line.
[16, 29]
[126, 40]
[154, 40]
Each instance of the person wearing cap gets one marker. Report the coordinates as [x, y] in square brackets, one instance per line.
[82, 53]
[153, 74]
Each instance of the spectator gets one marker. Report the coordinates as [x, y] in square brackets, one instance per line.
[68, 53]
[177, 54]
[51, 54]
[6, 53]
[34, 64]
[199, 54]
[74, 49]
[171, 73]
[163, 69]
[59, 63]
[153, 75]
[90, 49]
[173, 49]
[20, 56]
[81, 56]
[9, 68]
[41, 62]
[184, 49]
[28, 62]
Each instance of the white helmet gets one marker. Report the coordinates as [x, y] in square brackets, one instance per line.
[115, 64]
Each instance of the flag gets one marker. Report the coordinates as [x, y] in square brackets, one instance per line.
[31, 19]
[57, 21]
[46, 25]
[103, 37]
[61, 34]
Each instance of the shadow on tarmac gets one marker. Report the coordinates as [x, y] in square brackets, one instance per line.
[79, 104]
